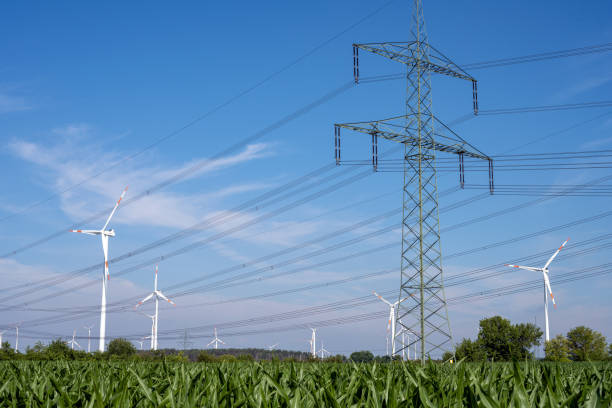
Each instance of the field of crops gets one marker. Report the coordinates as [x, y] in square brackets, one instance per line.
[139, 384]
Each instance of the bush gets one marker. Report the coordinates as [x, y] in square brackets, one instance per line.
[204, 357]
[121, 348]
[362, 356]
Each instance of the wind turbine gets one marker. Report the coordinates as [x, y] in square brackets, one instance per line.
[405, 348]
[17, 337]
[152, 336]
[391, 323]
[73, 341]
[216, 340]
[1, 333]
[88, 337]
[323, 351]
[544, 271]
[158, 295]
[141, 342]
[313, 342]
[270, 348]
[104, 235]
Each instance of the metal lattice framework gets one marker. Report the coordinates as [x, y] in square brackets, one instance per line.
[423, 312]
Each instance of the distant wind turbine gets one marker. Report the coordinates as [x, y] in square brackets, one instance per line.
[313, 342]
[392, 315]
[88, 337]
[17, 337]
[141, 342]
[104, 235]
[73, 341]
[547, 287]
[323, 352]
[152, 336]
[158, 295]
[216, 340]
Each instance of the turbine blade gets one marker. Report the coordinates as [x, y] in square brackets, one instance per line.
[88, 232]
[555, 254]
[381, 298]
[528, 268]
[114, 209]
[144, 300]
[547, 282]
[161, 295]
[406, 298]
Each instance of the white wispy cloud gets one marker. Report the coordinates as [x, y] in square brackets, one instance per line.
[73, 162]
[604, 141]
[12, 103]
[586, 85]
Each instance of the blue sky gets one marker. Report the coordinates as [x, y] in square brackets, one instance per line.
[84, 86]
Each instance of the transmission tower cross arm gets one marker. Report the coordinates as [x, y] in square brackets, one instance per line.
[403, 129]
[400, 129]
[409, 53]
[413, 54]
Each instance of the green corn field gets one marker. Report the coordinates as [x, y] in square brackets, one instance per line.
[282, 384]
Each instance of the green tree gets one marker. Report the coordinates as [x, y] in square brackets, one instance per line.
[6, 346]
[362, 356]
[504, 341]
[523, 338]
[470, 351]
[557, 349]
[586, 344]
[121, 348]
[494, 337]
[38, 347]
[58, 350]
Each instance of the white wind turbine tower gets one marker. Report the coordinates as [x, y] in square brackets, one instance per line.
[392, 316]
[149, 337]
[216, 340]
[104, 235]
[73, 341]
[88, 337]
[158, 295]
[152, 336]
[405, 350]
[313, 342]
[17, 337]
[544, 271]
[1, 333]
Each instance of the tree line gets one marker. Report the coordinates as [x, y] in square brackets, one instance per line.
[500, 340]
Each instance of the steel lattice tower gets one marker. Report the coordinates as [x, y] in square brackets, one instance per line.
[424, 313]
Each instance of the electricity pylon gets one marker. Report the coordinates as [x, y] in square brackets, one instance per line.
[423, 312]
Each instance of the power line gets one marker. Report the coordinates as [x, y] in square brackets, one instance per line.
[597, 48]
[205, 115]
[572, 52]
[224, 284]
